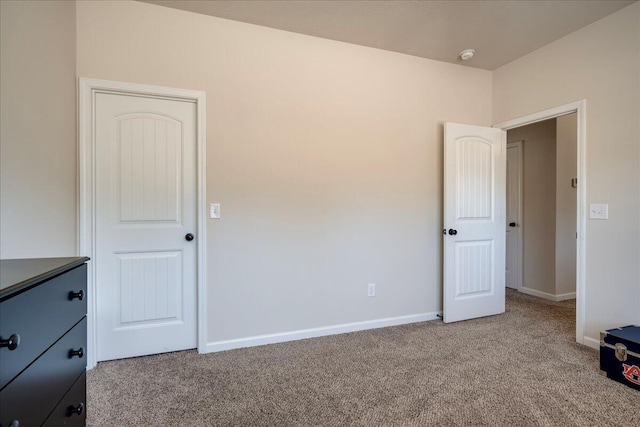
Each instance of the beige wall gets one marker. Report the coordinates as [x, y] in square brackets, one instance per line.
[566, 203]
[599, 63]
[539, 204]
[37, 129]
[325, 156]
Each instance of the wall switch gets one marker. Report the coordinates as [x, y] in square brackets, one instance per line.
[371, 290]
[598, 211]
[214, 211]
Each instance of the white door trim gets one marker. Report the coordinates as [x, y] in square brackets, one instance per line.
[580, 108]
[88, 88]
[520, 229]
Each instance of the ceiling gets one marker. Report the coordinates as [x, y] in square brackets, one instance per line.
[500, 31]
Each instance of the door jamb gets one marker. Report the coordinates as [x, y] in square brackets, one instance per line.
[88, 88]
[520, 229]
[580, 108]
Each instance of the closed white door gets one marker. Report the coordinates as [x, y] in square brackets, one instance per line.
[474, 215]
[513, 273]
[145, 208]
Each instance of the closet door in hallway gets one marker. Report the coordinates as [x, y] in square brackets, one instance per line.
[513, 272]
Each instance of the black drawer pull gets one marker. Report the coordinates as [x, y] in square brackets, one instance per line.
[79, 352]
[74, 295]
[12, 343]
[75, 409]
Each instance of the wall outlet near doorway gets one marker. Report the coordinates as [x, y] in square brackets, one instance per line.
[371, 290]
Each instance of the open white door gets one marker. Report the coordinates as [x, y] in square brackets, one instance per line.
[474, 220]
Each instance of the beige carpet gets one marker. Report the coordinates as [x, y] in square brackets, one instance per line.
[520, 368]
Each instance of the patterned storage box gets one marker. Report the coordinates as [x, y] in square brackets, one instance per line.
[620, 355]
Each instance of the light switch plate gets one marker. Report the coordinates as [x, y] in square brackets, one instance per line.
[214, 211]
[598, 211]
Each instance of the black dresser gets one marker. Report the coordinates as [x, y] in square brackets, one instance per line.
[43, 341]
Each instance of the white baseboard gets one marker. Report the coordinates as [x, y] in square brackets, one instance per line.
[548, 296]
[567, 296]
[316, 332]
[537, 293]
[591, 342]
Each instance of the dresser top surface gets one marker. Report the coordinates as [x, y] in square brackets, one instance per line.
[17, 274]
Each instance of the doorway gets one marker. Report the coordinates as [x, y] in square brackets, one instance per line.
[141, 198]
[541, 208]
[579, 108]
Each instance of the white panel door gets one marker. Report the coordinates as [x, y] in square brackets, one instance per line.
[513, 275]
[145, 207]
[474, 215]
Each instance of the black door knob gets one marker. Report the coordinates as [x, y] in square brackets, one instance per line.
[12, 343]
[189, 237]
[512, 224]
[75, 409]
[453, 232]
[79, 352]
[74, 295]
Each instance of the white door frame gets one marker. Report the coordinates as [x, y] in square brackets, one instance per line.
[580, 108]
[520, 223]
[88, 88]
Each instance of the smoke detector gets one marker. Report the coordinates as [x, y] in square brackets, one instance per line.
[467, 54]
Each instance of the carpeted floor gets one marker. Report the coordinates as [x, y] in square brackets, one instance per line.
[520, 368]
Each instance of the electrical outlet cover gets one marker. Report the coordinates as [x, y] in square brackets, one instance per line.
[371, 290]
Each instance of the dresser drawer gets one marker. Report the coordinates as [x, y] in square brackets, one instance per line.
[40, 316]
[71, 411]
[32, 396]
